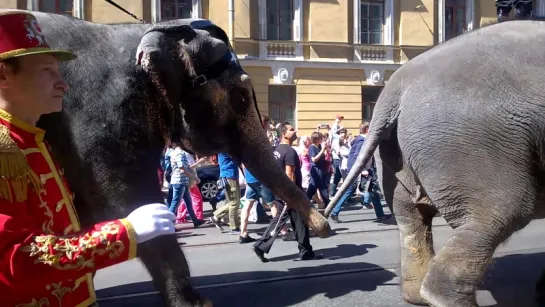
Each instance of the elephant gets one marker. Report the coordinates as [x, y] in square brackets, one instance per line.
[459, 131]
[132, 87]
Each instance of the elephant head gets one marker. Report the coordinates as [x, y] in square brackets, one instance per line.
[214, 101]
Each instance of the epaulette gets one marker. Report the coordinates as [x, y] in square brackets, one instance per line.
[15, 172]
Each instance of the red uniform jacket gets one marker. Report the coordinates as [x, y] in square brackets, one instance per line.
[46, 259]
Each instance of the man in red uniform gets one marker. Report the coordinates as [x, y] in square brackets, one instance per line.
[46, 259]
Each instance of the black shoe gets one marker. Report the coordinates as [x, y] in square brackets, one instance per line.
[289, 236]
[214, 221]
[384, 217]
[246, 239]
[198, 223]
[260, 254]
[310, 256]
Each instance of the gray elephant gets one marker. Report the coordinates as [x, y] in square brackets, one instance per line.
[459, 133]
[132, 87]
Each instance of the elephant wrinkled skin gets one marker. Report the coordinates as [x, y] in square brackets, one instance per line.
[130, 88]
[460, 130]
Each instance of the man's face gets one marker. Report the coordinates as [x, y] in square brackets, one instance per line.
[291, 133]
[35, 84]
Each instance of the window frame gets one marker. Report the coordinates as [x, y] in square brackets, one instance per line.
[58, 8]
[176, 10]
[382, 5]
[283, 104]
[453, 23]
[279, 23]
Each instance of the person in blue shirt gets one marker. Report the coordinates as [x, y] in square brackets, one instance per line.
[229, 179]
[367, 173]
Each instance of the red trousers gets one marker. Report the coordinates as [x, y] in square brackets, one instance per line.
[196, 199]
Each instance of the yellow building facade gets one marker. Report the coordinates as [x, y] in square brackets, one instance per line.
[309, 60]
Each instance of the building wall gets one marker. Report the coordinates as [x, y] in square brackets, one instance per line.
[321, 93]
[13, 4]
[261, 78]
[324, 93]
[103, 12]
[328, 22]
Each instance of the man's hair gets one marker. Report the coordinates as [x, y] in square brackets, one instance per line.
[342, 130]
[175, 141]
[12, 62]
[316, 136]
[284, 127]
[364, 126]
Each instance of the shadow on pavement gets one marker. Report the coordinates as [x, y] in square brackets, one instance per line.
[243, 295]
[511, 279]
[342, 251]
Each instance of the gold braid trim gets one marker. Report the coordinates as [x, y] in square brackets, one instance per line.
[15, 173]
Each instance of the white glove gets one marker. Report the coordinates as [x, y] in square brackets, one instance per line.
[151, 221]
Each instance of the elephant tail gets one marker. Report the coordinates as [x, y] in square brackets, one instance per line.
[384, 120]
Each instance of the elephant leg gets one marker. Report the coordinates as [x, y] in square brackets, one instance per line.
[414, 218]
[168, 267]
[457, 270]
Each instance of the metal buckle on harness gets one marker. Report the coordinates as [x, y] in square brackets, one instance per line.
[200, 80]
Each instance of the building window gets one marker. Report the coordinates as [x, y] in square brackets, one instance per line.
[282, 103]
[455, 18]
[372, 23]
[369, 97]
[176, 9]
[65, 7]
[280, 20]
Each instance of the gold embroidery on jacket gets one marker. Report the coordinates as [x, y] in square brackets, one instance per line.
[15, 173]
[71, 253]
[45, 177]
[41, 303]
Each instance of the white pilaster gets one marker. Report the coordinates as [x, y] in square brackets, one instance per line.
[357, 25]
[79, 9]
[539, 11]
[155, 11]
[196, 11]
[470, 15]
[32, 5]
[262, 4]
[441, 21]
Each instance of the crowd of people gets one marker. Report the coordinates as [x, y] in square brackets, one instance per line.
[320, 163]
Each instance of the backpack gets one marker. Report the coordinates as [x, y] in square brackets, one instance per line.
[168, 167]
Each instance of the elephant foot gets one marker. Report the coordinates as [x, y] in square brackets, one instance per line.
[439, 291]
[318, 223]
[411, 293]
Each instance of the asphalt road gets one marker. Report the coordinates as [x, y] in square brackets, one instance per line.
[359, 269]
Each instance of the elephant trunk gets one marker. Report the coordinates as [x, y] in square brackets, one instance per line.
[364, 157]
[256, 155]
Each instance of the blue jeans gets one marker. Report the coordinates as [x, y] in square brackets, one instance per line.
[350, 192]
[180, 191]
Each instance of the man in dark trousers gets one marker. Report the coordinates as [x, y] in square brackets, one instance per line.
[288, 159]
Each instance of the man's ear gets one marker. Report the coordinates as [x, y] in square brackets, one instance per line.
[5, 72]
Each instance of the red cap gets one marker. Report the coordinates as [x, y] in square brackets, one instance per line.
[20, 34]
[340, 117]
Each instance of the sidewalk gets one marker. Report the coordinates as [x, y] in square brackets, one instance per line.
[354, 218]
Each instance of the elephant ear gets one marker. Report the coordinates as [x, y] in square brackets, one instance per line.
[157, 49]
